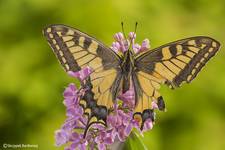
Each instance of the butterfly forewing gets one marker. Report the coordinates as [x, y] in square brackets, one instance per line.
[178, 61]
[76, 50]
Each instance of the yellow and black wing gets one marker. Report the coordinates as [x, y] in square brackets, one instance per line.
[76, 50]
[173, 64]
[178, 61]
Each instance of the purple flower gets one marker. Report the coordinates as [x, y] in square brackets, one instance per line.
[136, 48]
[128, 97]
[61, 137]
[70, 95]
[132, 35]
[145, 45]
[104, 138]
[78, 141]
[75, 117]
[154, 104]
[75, 112]
[82, 74]
[148, 124]
[119, 37]
[121, 44]
[116, 46]
[119, 123]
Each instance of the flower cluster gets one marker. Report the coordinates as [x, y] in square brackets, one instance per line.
[122, 45]
[120, 122]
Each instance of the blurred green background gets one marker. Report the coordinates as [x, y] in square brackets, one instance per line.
[32, 81]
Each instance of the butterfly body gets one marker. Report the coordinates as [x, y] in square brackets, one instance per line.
[127, 68]
[171, 64]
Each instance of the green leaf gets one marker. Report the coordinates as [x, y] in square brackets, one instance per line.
[134, 142]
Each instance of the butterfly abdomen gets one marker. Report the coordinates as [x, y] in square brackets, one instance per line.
[127, 68]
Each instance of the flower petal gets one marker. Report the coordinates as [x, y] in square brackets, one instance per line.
[128, 129]
[119, 37]
[121, 134]
[61, 137]
[136, 48]
[148, 125]
[101, 146]
[154, 105]
[116, 46]
[145, 45]
[82, 74]
[132, 35]
[70, 91]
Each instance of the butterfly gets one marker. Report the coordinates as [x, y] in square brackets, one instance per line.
[170, 64]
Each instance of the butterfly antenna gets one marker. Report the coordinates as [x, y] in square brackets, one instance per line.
[123, 30]
[135, 28]
[132, 38]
